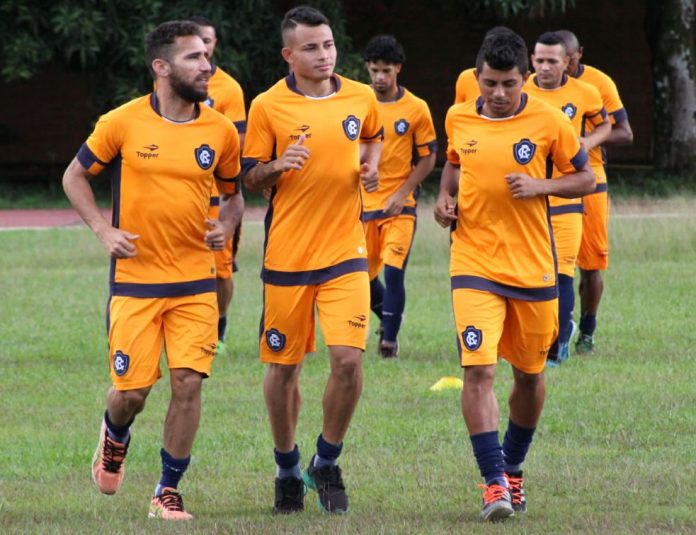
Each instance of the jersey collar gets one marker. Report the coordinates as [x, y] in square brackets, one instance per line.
[154, 103]
[564, 81]
[291, 82]
[581, 69]
[523, 104]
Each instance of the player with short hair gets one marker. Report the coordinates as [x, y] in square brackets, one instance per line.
[313, 138]
[389, 213]
[226, 96]
[502, 264]
[593, 257]
[165, 148]
[582, 104]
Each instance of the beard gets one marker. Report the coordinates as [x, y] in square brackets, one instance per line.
[186, 91]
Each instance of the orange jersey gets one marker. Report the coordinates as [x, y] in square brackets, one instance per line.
[313, 227]
[582, 104]
[613, 105]
[467, 87]
[500, 244]
[408, 131]
[163, 172]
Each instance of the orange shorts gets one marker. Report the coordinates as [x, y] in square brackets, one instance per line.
[225, 263]
[138, 328]
[594, 249]
[489, 326]
[389, 242]
[287, 325]
[567, 234]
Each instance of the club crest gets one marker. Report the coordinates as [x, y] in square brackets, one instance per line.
[121, 363]
[275, 340]
[401, 127]
[569, 110]
[523, 151]
[209, 102]
[205, 156]
[472, 338]
[351, 127]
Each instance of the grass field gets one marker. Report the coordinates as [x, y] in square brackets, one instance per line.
[615, 451]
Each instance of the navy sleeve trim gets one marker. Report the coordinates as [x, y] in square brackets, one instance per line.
[241, 126]
[313, 276]
[379, 134]
[432, 146]
[86, 157]
[566, 209]
[215, 201]
[248, 164]
[523, 294]
[580, 159]
[620, 115]
[234, 180]
[601, 188]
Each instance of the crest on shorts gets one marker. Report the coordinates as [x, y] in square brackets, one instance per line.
[570, 110]
[523, 151]
[351, 127]
[275, 340]
[401, 127]
[205, 156]
[120, 363]
[472, 338]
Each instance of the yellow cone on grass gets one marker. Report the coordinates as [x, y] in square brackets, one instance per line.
[448, 383]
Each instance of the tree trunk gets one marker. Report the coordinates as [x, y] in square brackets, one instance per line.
[672, 37]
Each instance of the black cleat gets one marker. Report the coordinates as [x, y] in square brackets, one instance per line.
[289, 496]
[328, 484]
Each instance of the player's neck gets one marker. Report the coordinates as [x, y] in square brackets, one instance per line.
[315, 88]
[390, 95]
[173, 107]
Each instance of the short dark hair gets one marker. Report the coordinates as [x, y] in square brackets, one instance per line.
[305, 15]
[569, 38]
[384, 48]
[160, 42]
[497, 30]
[202, 21]
[551, 39]
[503, 52]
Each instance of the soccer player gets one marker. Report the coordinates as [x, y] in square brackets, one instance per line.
[313, 137]
[224, 95]
[594, 249]
[583, 105]
[466, 87]
[502, 266]
[165, 148]
[390, 212]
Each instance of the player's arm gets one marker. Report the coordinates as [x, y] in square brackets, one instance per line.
[599, 135]
[370, 154]
[76, 184]
[621, 134]
[222, 229]
[568, 186]
[444, 210]
[419, 173]
[265, 175]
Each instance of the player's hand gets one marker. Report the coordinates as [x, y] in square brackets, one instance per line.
[395, 203]
[369, 177]
[524, 186]
[444, 210]
[217, 234]
[584, 143]
[293, 158]
[118, 243]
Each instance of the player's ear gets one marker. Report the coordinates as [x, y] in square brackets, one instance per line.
[161, 67]
[287, 54]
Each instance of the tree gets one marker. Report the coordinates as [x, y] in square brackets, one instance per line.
[106, 37]
[672, 40]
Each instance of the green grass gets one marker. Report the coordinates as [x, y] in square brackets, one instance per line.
[614, 452]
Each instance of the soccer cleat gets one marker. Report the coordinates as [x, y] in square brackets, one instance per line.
[516, 486]
[168, 506]
[552, 363]
[107, 463]
[564, 347]
[289, 496]
[584, 344]
[497, 504]
[389, 350]
[328, 484]
[221, 348]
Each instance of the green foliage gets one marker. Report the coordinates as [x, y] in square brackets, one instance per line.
[106, 37]
[534, 8]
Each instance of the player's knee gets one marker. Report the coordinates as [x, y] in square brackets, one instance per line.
[528, 381]
[479, 376]
[346, 364]
[134, 400]
[186, 384]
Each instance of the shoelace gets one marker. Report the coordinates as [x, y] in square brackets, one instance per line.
[516, 489]
[331, 477]
[172, 501]
[113, 455]
[493, 493]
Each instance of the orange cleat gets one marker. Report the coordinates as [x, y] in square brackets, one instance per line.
[107, 463]
[168, 506]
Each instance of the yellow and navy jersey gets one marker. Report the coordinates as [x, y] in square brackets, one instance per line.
[313, 227]
[582, 104]
[500, 244]
[409, 133]
[613, 105]
[162, 176]
[467, 87]
[226, 96]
